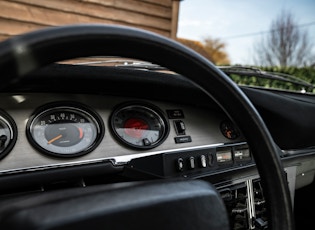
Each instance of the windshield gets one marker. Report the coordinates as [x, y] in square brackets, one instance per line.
[268, 44]
[260, 43]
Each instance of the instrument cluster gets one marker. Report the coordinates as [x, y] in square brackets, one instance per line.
[40, 131]
[72, 129]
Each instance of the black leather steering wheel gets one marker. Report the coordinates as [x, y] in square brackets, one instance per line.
[23, 54]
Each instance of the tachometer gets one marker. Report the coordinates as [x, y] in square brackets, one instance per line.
[65, 130]
[139, 125]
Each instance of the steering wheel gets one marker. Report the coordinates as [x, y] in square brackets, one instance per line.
[23, 54]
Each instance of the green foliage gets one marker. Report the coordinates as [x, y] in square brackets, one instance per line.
[306, 74]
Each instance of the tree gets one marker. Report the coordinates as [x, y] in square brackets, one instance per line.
[285, 45]
[216, 49]
[196, 46]
[212, 49]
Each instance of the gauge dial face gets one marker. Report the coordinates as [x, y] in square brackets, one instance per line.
[65, 130]
[139, 126]
[8, 134]
[228, 130]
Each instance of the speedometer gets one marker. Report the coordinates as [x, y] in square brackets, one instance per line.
[65, 130]
[139, 125]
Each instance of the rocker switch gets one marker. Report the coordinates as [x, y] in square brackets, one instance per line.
[180, 164]
[180, 127]
[191, 162]
[203, 161]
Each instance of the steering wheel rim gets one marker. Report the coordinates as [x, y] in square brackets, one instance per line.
[23, 54]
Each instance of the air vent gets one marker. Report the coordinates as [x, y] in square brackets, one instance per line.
[245, 203]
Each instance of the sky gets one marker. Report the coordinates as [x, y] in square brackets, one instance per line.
[240, 23]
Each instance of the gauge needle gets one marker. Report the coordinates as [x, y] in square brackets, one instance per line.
[54, 139]
[81, 133]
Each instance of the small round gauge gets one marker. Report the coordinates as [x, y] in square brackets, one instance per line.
[139, 125]
[228, 130]
[65, 130]
[8, 134]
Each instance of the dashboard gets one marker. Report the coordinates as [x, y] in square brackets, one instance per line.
[60, 138]
[51, 140]
[53, 130]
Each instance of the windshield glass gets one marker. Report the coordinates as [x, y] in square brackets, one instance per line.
[260, 43]
[268, 43]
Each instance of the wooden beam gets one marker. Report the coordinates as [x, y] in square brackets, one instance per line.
[12, 27]
[174, 22]
[139, 6]
[167, 3]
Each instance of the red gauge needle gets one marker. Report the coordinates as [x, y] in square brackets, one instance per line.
[81, 133]
[54, 139]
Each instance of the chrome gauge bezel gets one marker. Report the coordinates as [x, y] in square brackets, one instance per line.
[71, 118]
[150, 115]
[9, 129]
